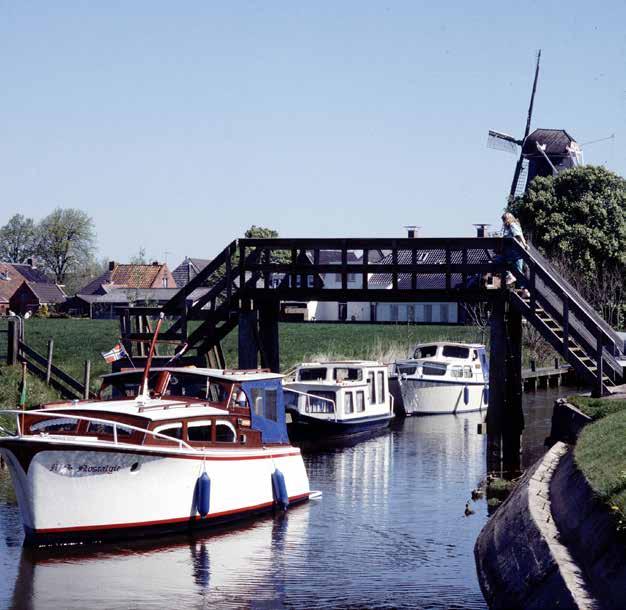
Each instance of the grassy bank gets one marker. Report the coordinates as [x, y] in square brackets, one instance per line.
[597, 408]
[600, 453]
[77, 340]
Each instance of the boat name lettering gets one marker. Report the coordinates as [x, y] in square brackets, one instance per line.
[100, 468]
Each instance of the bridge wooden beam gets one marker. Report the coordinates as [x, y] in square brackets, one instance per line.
[247, 338]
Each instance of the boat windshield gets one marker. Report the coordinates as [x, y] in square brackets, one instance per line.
[310, 374]
[347, 374]
[456, 351]
[434, 368]
[427, 351]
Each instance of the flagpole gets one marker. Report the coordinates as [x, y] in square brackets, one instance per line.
[146, 371]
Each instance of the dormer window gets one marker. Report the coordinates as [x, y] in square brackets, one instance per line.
[164, 282]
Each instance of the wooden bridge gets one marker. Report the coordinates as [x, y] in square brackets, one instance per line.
[250, 278]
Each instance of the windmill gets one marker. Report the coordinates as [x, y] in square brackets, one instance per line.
[543, 152]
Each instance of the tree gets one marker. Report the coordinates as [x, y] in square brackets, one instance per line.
[578, 216]
[17, 239]
[66, 242]
[578, 219]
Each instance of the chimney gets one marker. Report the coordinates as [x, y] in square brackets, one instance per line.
[112, 265]
[481, 229]
[156, 264]
[30, 262]
[412, 230]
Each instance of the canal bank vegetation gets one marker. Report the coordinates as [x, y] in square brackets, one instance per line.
[600, 453]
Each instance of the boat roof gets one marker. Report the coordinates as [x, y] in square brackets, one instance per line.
[336, 363]
[224, 374]
[154, 409]
[454, 343]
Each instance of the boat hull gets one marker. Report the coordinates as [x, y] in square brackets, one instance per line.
[77, 493]
[426, 397]
[304, 427]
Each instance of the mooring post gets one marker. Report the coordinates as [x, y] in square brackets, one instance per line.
[247, 342]
[268, 334]
[12, 342]
[497, 383]
[87, 379]
[513, 421]
[49, 360]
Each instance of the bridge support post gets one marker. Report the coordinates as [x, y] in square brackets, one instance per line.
[505, 418]
[268, 335]
[247, 338]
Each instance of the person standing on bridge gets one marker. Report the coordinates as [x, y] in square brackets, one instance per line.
[512, 228]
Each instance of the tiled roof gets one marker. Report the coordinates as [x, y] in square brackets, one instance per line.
[188, 269]
[125, 295]
[432, 281]
[31, 274]
[124, 276]
[47, 293]
[10, 285]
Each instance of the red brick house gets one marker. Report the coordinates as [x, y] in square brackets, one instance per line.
[24, 288]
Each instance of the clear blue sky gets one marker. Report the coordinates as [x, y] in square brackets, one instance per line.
[178, 125]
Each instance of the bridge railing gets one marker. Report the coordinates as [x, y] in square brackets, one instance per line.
[358, 267]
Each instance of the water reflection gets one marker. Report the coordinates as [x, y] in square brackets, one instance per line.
[239, 569]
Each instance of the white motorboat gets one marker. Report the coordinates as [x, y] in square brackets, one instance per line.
[336, 400]
[148, 462]
[443, 377]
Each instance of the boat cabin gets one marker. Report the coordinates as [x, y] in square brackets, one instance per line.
[215, 408]
[339, 390]
[460, 361]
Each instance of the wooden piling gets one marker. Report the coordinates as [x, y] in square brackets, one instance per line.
[247, 338]
[12, 342]
[87, 379]
[268, 334]
[49, 360]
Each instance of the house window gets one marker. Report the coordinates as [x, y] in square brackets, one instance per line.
[164, 282]
[394, 313]
[360, 402]
[444, 315]
[410, 313]
[428, 313]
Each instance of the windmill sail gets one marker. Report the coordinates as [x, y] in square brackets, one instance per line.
[502, 141]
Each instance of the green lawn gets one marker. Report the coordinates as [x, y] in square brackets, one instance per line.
[597, 408]
[601, 455]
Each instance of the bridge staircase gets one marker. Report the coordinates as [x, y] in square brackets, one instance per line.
[569, 324]
[201, 313]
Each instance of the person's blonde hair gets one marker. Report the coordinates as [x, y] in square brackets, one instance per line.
[508, 217]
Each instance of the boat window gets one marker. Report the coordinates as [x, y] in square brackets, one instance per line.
[218, 392]
[427, 351]
[455, 351]
[102, 428]
[347, 374]
[225, 432]
[320, 402]
[171, 430]
[456, 371]
[306, 374]
[264, 401]
[381, 387]
[371, 384]
[434, 368]
[291, 399]
[270, 404]
[406, 370]
[360, 401]
[188, 385]
[348, 403]
[199, 431]
[58, 425]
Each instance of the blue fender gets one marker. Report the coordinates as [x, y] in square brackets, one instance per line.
[486, 395]
[203, 494]
[466, 395]
[279, 489]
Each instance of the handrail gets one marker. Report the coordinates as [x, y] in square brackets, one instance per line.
[533, 257]
[308, 395]
[46, 412]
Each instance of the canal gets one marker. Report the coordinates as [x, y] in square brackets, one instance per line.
[389, 531]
